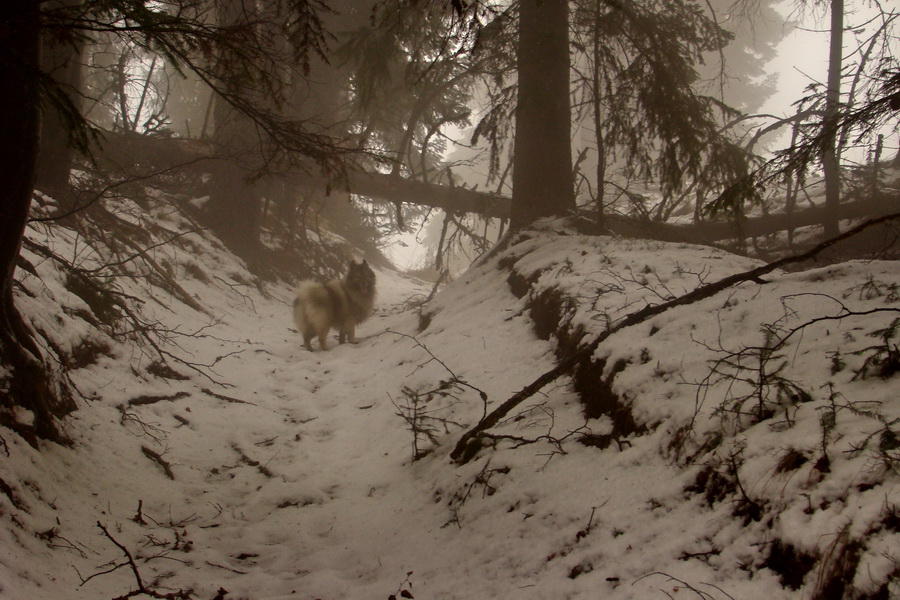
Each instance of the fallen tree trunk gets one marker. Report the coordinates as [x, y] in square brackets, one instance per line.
[470, 442]
[128, 151]
[711, 231]
[393, 188]
[161, 153]
[767, 224]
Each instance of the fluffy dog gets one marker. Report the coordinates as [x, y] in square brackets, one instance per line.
[338, 304]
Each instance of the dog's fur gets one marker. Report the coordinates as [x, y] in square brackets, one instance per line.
[339, 304]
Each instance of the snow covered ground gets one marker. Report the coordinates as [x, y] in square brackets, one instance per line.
[269, 472]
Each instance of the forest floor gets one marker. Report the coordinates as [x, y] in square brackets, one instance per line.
[761, 458]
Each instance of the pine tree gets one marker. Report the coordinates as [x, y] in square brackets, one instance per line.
[640, 92]
[27, 384]
[61, 60]
[830, 158]
[542, 169]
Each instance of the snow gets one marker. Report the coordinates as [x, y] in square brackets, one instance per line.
[293, 474]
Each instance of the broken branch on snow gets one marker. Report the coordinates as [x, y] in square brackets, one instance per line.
[158, 459]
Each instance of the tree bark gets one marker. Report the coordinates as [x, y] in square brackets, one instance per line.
[61, 60]
[26, 382]
[598, 122]
[542, 170]
[234, 203]
[830, 157]
[19, 130]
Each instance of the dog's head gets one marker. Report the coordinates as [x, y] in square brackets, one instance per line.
[361, 278]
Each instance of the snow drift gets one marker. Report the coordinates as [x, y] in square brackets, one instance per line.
[741, 447]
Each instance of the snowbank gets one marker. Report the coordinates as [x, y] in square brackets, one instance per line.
[762, 464]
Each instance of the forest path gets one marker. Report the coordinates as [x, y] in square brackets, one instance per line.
[312, 472]
[288, 474]
[294, 478]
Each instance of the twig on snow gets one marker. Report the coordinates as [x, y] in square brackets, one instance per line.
[142, 589]
[158, 459]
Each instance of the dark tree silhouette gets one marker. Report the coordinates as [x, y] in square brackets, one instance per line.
[542, 169]
[61, 60]
[830, 158]
[27, 384]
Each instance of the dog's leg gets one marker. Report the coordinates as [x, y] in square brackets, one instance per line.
[323, 339]
[307, 341]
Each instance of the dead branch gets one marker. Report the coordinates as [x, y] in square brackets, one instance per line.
[263, 469]
[51, 535]
[226, 568]
[454, 378]
[142, 589]
[157, 434]
[683, 585]
[245, 297]
[483, 479]
[144, 400]
[127, 234]
[99, 195]
[139, 516]
[153, 333]
[225, 398]
[548, 438]
[469, 443]
[158, 459]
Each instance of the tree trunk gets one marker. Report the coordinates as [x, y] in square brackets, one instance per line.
[234, 203]
[598, 123]
[61, 60]
[542, 171]
[831, 166]
[794, 183]
[235, 208]
[24, 381]
[19, 129]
